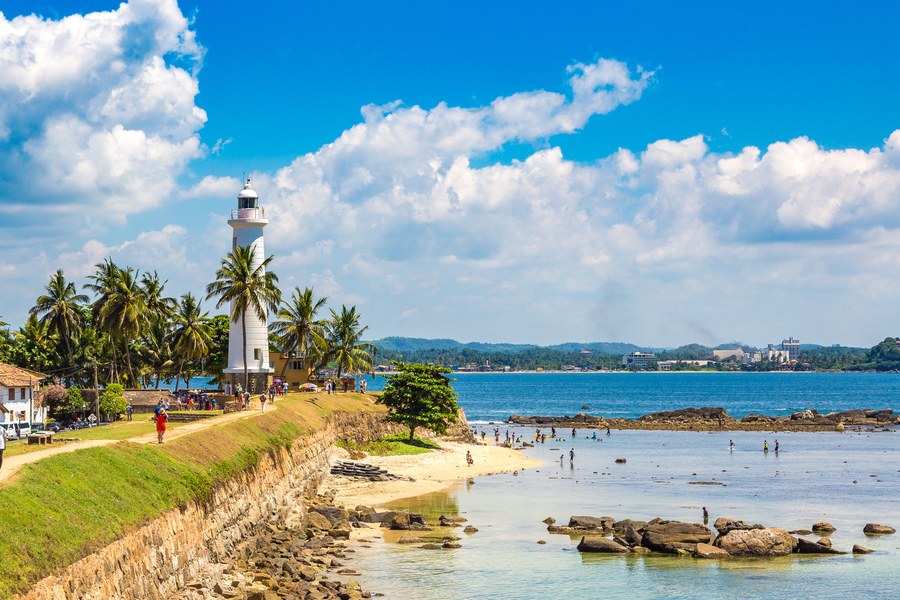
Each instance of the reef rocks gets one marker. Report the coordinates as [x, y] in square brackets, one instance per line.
[876, 529]
[667, 536]
[600, 544]
[756, 542]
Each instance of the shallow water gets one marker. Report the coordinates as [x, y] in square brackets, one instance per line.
[807, 481]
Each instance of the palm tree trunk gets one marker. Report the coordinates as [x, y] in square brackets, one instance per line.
[178, 378]
[128, 362]
[158, 375]
[113, 372]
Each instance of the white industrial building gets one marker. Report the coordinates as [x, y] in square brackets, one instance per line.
[792, 347]
[638, 359]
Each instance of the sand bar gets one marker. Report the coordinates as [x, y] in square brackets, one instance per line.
[432, 472]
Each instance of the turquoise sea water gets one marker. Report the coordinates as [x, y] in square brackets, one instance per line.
[847, 479]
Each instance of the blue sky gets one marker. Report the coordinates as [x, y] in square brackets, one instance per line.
[646, 172]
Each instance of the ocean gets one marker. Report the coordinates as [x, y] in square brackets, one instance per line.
[848, 479]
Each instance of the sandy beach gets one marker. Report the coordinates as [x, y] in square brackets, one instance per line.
[432, 472]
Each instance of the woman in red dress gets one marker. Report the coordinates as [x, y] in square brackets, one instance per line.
[161, 418]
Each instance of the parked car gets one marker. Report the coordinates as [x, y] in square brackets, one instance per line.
[52, 427]
[16, 431]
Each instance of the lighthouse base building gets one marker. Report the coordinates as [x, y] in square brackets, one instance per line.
[247, 223]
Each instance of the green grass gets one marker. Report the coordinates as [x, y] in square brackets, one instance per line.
[63, 507]
[392, 445]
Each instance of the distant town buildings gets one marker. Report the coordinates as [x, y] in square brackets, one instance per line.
[638, 359]
[726, 354]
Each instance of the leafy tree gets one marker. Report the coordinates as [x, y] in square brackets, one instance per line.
[297, 329]
[345, 345]
[72, 404]
[159, 307]
[420, 396]
[112, 402]
[217, 358]
[103, 285]
[60, 307]
[249, 288]
[35, 346]
[156, 349]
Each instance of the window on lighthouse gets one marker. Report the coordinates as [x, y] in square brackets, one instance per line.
[257, 354]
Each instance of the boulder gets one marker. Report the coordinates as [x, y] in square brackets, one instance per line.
[721, 522]
[756, 542]
[397, 520]
[317, 520]
[585, 407]
[846, 415]
[807, 547]
[430, 546]
[751, 418]
[453, 519]
[334, 514]
[824, 526]
[408, 539]
[592, 522]
[800, 532]
[708, 551]
[599, 544]
[632, 536]
[621, 527]
[876, 529]
[451, 545]
[825, 541]
[737, 526]
[469, 529]
[620, 460]
[549, 521]
[857, 549]
[666, 536]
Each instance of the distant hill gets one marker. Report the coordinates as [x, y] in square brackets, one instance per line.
[405, 344]
[606, 347]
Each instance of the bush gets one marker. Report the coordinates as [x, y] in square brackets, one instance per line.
[54, 395]
[72, 404]
[112, 402]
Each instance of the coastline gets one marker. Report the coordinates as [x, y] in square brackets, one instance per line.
[430, 472]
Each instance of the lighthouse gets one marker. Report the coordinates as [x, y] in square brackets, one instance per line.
[247, 223]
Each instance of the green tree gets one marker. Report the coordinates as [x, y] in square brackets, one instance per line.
[60, 307]
[420, 396]
[193, 337]
[297, 329]
[345, 345]
[217, 358]
[156, 349]
[72, 405]
[112, 402]
[159, 307]
[35, 346]
[125, 312]
[248, 288]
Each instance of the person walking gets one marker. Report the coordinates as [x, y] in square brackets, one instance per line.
[776, 445]
[731, 445]
[272, 393]
[572, 455]
[469, 460]
[262, 401]
[161, 419]
[128, 410]
[766, 446]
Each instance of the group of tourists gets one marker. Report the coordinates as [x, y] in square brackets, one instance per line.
[191, 401]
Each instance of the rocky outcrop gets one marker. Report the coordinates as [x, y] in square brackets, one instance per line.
[707, 551]
[756, 542]
[857, 549]
[707, 412]
[824, 527]
[808, 547]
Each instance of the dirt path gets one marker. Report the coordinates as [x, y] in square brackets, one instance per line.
[12, 464]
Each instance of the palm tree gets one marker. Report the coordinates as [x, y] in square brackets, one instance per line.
[193, 336]
[125, 312]
[36, 343]
[297, 328]
[344, 345]
[60, 307]
[248, 288]
[158, 306]
[103, 286]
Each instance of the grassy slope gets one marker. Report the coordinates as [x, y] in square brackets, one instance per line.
[59, 509]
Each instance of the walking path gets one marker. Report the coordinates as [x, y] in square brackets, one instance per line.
[12, 464]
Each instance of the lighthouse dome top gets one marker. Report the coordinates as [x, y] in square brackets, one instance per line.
[248, 198]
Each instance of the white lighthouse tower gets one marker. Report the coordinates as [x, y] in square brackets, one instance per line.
[247, 222]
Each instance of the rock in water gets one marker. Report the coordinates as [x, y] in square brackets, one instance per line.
[825, 541]
[470, 529]
[876, 529]
[721, 524]
[668, 536]
[707, 551]
[585, 407]
[807, 547]
[620, 460]
[599, 544]
[592, 522]
[451, 520]
[857, 549]
[408, 539]
[756, 542]
[824, 526]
